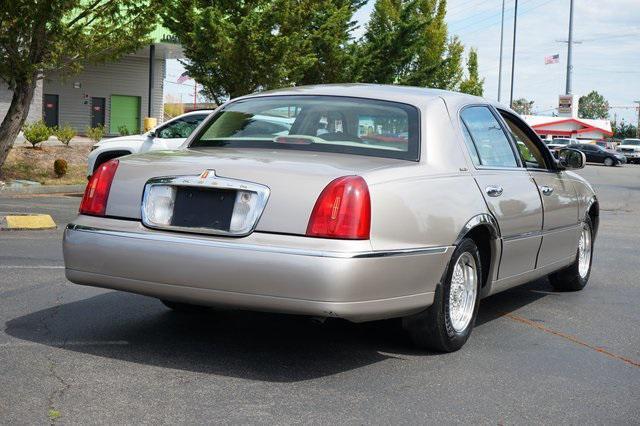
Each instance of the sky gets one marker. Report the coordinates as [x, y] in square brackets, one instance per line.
[607, 59]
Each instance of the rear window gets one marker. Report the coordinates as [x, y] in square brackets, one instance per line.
[316, 123]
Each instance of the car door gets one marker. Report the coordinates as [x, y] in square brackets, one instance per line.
[173, 134]
[559, 198]
[507, 187]
[591, 153]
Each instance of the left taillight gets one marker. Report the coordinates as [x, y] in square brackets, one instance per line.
[94, 201]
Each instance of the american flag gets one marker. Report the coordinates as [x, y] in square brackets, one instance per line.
[553, 59]
[183, 77]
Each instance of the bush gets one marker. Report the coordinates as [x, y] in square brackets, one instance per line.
[36, 132]
[123, 130]
[95, 133]
[60, 167]
[64, 134]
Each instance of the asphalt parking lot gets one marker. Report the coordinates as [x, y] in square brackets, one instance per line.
[79, 355]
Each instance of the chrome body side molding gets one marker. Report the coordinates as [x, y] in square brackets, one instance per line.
[181, 238]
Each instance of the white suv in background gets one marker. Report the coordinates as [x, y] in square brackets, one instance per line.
[630, 148]
[168, 135]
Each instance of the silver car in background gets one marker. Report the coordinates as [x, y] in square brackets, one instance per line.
[377, 202]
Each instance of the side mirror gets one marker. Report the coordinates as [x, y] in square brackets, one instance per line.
[571, 158]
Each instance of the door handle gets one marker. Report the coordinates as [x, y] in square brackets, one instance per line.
[493, 190]
[546, 190]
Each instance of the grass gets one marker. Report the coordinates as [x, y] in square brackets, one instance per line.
[37, 164]
[53, 415]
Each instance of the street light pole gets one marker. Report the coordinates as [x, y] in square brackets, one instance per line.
[570, 49]
[501, 43]
[638, 123]
[513, 53]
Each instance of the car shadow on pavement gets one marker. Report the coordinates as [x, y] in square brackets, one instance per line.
[257, 346]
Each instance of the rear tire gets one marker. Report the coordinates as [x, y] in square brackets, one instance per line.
[446, 325]
[185, 308]
[576, 276]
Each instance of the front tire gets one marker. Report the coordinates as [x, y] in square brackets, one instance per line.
[446, 325]
[576, 276]
[609, 162]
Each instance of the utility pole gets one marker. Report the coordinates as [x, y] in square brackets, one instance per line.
[501, 43]
[570, 48]
[513, 53]
[638, 123]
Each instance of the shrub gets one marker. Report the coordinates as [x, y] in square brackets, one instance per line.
[64, 134]
[36, 132]
[123, 130]
[95, 133]
[60, 167]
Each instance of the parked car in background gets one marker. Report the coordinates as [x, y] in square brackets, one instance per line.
[607, 145]
[377, 202]
[630, 148]
[168, 135]
[597, 154]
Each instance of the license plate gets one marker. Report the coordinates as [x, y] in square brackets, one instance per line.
[198, 207]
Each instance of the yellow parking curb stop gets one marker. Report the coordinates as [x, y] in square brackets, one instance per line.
[27, 221]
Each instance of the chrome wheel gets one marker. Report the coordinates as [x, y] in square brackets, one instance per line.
[608, 162]
[584, 251]
[462, 293]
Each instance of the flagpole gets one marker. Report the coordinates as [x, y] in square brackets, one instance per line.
[501, 44]
[195, 93]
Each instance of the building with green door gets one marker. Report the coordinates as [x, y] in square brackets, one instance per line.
[117, 95]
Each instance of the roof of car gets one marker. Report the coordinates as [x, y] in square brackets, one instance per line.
[389, 92]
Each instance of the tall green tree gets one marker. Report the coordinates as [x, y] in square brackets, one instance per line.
[328, 29]
[593, 105]
[40, 36]
[623, 130]
[407, 42]
[473, 84]
[237, 47]
[522, 106]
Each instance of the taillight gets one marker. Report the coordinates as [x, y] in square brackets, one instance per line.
[96, 194]
[342, 211]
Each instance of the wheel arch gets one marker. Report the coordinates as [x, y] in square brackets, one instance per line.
[483, 229]
[592, 210]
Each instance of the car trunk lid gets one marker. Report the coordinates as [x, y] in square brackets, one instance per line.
[294, 179]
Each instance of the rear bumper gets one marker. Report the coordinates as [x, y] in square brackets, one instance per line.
[288, 274]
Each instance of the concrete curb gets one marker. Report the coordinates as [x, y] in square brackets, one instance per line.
[43, 189]
[22, 222]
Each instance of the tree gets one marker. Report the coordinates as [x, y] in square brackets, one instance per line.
[522, 106]
[593, 105]
[234, 48]
[37, 37]
[473, 84]
[406, 42]
[623, 130]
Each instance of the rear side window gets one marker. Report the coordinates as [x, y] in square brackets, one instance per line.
[316, 123]
[492, 147]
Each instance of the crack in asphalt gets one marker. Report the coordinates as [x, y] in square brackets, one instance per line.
[572, 339]
[55, 394]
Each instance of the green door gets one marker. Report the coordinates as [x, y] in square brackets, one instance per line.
[125, 111]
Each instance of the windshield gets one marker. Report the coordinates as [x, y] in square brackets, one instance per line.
[631, 142]
[316, 123]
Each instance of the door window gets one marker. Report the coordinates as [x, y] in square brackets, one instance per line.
[529, 150]
[181, 128]
[491, 144]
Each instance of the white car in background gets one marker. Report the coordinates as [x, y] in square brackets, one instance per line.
[630, 148]
[168, 135]
[173, 133]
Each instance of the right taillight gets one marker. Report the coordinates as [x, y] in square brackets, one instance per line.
[342, 211]
[94, 201]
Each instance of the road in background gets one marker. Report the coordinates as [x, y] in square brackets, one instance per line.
[98, 356]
